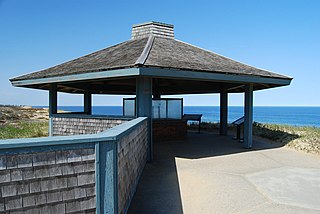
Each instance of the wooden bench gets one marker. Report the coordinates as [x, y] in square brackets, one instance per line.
[193, 117]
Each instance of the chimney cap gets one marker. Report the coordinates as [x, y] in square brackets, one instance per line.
[152, 29]
[153, 23]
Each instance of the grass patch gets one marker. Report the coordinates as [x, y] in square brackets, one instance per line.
[24, 130]
[303, 138]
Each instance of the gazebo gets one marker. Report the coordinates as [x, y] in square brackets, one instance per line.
[151, 64]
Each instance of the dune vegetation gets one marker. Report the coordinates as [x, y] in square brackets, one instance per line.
[302, 138]
[23, 122]
[24, 130]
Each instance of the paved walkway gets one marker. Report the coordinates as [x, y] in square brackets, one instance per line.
[214, 174]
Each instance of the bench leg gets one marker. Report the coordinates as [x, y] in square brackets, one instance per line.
[238, 132]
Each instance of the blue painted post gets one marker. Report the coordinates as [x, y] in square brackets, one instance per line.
[50, 126]
[223, 112]
[144, 106]
[53, 104]
[53, 99]
[248, 116]
[87, 102]
[106, 177]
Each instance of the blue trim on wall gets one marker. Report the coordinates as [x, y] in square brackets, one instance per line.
[97, 178]
[114, 133]
[107, 177]
[83, 115]
[46, 148]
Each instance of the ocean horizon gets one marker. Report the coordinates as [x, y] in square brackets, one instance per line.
[288, 115]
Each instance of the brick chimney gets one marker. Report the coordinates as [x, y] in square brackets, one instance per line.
[152, 28]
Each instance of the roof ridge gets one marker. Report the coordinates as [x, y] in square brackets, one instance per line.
[146, 51]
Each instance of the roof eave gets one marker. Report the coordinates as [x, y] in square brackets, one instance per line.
[210, 76]
[126, 72]
[158, 73]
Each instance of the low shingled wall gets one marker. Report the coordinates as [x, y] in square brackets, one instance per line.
[61, 181]
[93, 173]
[73, 124]
[132, 157]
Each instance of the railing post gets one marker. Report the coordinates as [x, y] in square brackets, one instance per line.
[106, 177]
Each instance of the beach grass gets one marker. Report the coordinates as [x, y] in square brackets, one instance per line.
[24, 130]
[304, 138]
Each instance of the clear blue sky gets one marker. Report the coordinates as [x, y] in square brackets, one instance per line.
[278, 35]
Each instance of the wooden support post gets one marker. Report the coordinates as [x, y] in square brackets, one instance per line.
[156, 92]
[144, 106]
[87, 102]
[53, 105]
[53, 99]
[223, 112]
[248, 116]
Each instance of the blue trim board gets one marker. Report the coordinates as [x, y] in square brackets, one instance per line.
[83, 115]
[53, 148]
[107, 177]
[208, 76]
[112, 134]
[157, 72]
[97, 178]
[77, 77]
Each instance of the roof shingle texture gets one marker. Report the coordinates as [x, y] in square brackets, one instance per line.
[118, 56]
[171, 53]
[164, 53]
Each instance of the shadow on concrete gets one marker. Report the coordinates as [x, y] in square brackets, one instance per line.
[158, 189]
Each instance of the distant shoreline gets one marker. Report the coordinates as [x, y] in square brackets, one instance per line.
[184, 106]
[293, 116]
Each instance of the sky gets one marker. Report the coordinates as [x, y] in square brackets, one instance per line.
[282, 36]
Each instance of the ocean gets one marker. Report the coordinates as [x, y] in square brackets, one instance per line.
[297, 116]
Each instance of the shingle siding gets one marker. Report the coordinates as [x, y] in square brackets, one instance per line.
[132, 157]
[41, 184]
[75, 126]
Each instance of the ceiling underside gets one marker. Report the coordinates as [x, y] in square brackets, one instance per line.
[162, 86]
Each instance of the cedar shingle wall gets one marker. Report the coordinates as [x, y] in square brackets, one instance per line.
[48, 182]
[75, 126]
[132, 157]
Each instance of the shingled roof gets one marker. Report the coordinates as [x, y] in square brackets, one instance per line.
[151, 50]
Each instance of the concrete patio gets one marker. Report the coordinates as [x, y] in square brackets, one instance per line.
[209, 173]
